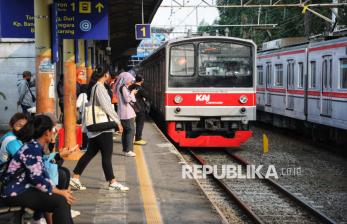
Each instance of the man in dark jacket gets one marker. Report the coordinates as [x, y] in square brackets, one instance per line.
[140, 105]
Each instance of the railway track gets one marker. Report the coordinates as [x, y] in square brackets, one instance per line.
[262, 200]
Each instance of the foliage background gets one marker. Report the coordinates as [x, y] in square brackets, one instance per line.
[291, 21]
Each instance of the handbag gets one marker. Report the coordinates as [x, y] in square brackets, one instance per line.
[51, 168]
[96, 119]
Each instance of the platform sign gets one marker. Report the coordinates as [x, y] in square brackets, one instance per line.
[17, 19]
[142, 31]
[66, 18]
[83, 19]
[92, 19]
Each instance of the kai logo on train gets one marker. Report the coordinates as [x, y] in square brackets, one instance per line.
[203, 97]
[207, 99]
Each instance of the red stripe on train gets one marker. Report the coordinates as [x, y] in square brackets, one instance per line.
[310, 92]
[210, 99]
[321, 48]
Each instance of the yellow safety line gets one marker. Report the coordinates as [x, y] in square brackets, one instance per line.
[150, 205]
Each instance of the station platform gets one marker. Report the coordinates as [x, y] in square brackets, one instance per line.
[158, 193]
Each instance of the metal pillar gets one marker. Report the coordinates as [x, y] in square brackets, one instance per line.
[70, 98]
[45, 70]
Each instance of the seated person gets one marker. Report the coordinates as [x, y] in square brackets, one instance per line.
[10, 143]
[26, 183]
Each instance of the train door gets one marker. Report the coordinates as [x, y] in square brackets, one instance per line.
[290, 85]
[268, 84]
[326, 87]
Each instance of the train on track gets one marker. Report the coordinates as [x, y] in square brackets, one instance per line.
[304, 86]
[203, 89]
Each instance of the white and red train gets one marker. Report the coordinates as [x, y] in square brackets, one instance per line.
[305, 87]
[203, 89]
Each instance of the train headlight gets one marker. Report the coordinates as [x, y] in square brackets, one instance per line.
[178, 99]
[243, 99]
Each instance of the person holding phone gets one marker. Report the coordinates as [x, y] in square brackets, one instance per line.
[126, 111]
[141, 97]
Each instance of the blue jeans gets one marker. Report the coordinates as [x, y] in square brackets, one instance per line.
[128, 134]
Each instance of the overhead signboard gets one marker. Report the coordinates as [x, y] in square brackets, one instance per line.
[76, 19]
[92, 20]
[142, 31]
[83, 19]
[17, 19]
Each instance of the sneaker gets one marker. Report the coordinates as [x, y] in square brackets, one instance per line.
[76, 184]
[117, 186]
[140, 142]
[130, 154]
[75, 213]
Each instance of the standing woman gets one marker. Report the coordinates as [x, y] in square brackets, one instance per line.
[102, 140]
[126, 111]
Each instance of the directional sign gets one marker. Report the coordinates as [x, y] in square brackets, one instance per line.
[17, 19]
[142, 31]
[79, 19]
[76, 19]
[92, 20]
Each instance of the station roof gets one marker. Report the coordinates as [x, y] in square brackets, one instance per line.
[123, 16]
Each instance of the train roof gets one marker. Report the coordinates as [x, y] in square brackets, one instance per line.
[312, 43]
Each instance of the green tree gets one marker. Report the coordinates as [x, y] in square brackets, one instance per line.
[291, 21]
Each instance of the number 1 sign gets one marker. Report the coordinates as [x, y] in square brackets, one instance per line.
[142, 31]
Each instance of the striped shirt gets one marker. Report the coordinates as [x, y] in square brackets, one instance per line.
[103, 99]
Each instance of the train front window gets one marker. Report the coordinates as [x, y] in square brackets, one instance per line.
[182, 60]
[227, 64]
[216, 64]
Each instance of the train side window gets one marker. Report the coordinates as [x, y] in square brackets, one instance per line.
[327, 72]
[260, 75]
[312, 74]
[343, 73]
[268, 74]
[182, 60]
[290, 74]
[301, 75]
[279, 75]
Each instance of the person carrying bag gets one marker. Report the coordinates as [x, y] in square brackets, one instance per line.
[100, 121]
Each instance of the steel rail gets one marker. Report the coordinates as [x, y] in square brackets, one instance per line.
[317, 213]
[230, 193]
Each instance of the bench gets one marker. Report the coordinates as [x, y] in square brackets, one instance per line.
[11, 215]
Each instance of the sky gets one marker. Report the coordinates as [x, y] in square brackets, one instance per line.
[183, 18]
